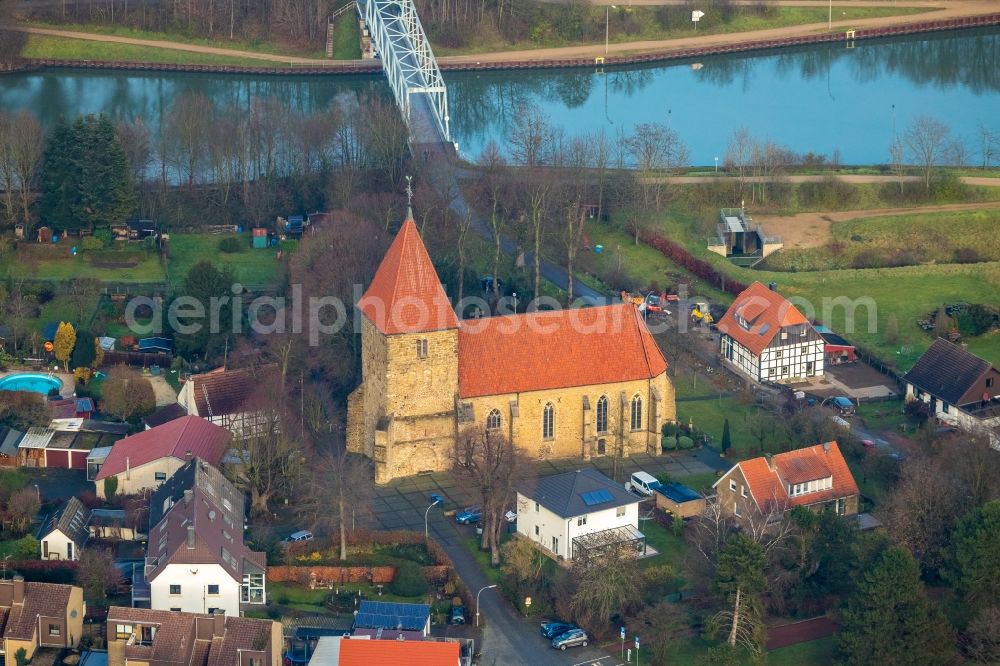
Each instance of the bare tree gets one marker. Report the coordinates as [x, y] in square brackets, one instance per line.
[897, 159]
[927, 141]
[26, 144]
[737, 157]
[82, 292]
[489, 463]
[341, 484]
[97, 574]
[494, 170]
[22, 507]
[186, 134]
[530, 137]
[126, 394]
[606, 576]
[988, 141]
[271, 458]
[136, 142]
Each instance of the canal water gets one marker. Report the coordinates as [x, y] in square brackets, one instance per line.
[834, 100]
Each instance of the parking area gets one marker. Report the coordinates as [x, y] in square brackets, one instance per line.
[853, 380]
[401, 505]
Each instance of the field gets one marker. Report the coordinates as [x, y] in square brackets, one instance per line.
[250, 267]
[900, 239]
[854, 302]
[58, 264]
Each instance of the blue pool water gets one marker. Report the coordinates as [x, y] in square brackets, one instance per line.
[30, 381]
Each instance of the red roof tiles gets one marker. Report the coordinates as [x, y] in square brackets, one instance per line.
[765, 311]
[405, 295]
[812, 463]
[173, 439]
[392, 653]
[555, 349]
[222, 391]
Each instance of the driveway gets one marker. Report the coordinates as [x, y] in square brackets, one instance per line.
[508, 638]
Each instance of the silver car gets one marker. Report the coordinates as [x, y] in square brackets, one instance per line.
[571, 638]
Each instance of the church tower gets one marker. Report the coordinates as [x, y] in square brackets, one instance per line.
[403, 413]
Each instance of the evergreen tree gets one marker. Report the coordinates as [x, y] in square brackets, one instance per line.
[83, 353]
[203, 283]
[975, 544]
[888, 620]
[86, 178]
[726, 438]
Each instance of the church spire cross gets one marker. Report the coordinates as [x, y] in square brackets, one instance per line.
[409, 198]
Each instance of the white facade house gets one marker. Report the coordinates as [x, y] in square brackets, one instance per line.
[556, 511]
[64, 534]
[226, 398]
[958, 388]
[766, 338]
[195, 588]
[196, 560]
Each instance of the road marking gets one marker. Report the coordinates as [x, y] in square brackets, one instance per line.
[597, 662]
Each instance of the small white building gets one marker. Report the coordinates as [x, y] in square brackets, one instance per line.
[959, 388]
[557, 512]
[766, 338]
[64, 534]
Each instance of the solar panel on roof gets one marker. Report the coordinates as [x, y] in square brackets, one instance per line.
[764, 328]
[596, 497]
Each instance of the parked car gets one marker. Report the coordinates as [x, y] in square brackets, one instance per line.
[469, 515]
[300, 536]
[642, 483]
[571, 638]
[556, 628]
[457, 615]
[868, 443]
[844, 404]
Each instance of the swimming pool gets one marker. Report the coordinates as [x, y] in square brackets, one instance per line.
[30, 381]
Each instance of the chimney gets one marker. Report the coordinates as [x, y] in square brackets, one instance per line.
[773, 286]
[190, 537]
[770, 461]
[826, 447]
[218, 624]
[18, 589]
[188, 495]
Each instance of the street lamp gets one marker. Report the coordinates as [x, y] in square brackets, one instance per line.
[38, 493]
[437, 500]
[488, 587]
[716, 164]
[514, 294]
[607, 22]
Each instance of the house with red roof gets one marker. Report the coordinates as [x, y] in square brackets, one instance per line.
[39, 615]
[766, 338]
[815, 476]
[385, 651]
[148, 458]
[573, 383]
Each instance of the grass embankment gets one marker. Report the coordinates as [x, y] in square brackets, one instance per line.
[63, 48]
[634, 24]
[347, 46]
[910, 239]
[909, 292]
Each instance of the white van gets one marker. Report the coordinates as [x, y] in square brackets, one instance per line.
[301, 535]
[642, 483]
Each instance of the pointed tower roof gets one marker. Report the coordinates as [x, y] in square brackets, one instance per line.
[405, 295]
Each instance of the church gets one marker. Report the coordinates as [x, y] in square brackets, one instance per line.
[581, 382]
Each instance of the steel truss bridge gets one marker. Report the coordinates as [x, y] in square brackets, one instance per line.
[409, 64]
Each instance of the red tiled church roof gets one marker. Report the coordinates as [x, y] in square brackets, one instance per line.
[405, 295]
[809, 464]
[555, 349]
[175, 438]
[765, 311]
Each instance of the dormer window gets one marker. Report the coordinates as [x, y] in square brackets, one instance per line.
[742, 322]
[806, 487]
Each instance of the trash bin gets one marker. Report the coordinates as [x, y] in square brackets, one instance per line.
[598, 249]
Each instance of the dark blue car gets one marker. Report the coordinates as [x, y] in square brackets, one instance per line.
[553, 629]
[469, 515]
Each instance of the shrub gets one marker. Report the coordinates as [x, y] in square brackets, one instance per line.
[231, 244]
[409, 581]
[685, 443]
[110, 486]
[26, 548]
[91, 243]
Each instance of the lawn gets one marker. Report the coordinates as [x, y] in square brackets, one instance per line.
[710, 415]
[61, 308]
[250, 267]
[347, 39]
[820, 651]
[670, 547]
[105, 265]
[919, 238]
[65, 48]
[482, 558]
[883, 415]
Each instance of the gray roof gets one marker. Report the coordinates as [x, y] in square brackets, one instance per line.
[947, 371]
[208, 480]
[564, 494]
[9, 439]
[72, 520]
